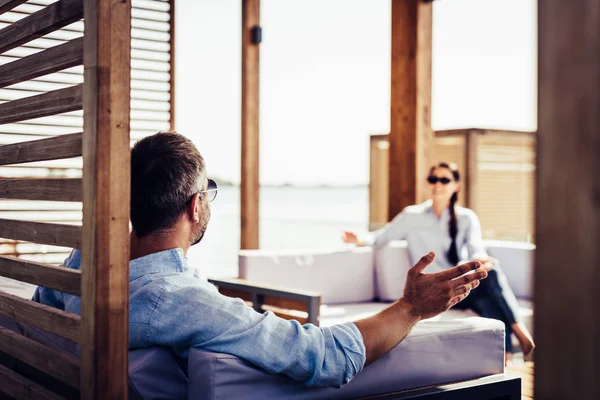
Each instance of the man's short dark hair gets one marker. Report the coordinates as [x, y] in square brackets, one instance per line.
[165, 173]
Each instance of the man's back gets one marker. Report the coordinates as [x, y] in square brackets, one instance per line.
[169, 306]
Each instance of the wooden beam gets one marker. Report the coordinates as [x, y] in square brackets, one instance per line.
[41, 189]
[172, 62]
[7, 5]
[411, 137]
[250, 183]
[56, 364]
[20, 388]
[50, 319]
[57, 278]
[106, 195]
[472, 171]
[54, 59]
[54, 148]
[41, 232]
[40, 23]
[567, 278]
[42, 105]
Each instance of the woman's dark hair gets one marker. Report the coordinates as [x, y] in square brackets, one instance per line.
[452, 254]
[166, 169]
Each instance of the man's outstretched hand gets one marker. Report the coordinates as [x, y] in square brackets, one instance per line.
[431, 294]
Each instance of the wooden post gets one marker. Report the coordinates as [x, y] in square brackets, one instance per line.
[471, 174]
[106, 177]
[567, 279]
[172, 62]
[250, 185]
[411, 137]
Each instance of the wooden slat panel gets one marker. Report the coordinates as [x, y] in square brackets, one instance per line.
[43, 105]
[59, 147]
[40, 232]
[41, 189]
[62, 279]
[49, 19]
[7, 5]
[106, 195]
[249, 184]
[45, 62]
[40, 316]
[57, 365]
[172, 61]
[567, 273]
[20, 388]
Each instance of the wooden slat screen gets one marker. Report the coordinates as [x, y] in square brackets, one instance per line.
[505, 191]
[499, 185]
[41, 120]
[150, 109]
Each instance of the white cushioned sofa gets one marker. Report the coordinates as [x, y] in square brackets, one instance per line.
[358, 282]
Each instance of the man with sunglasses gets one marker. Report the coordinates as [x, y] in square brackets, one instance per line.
[169, 306]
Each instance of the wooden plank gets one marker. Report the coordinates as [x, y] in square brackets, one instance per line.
[567, 365]
[411, 137]
[40, 23]
[286, 314]
[106, 195]
[378, 181]
[246, 296]
[41, 232]
[56, 364]
[42, 105]
[21, 388]
[50, 319]
[249, 184]
[54, 148]
[61, 279]
[41, 189]
[7, 5]
[172, 62]
[285, 304]
[472, 170]
[46, 62]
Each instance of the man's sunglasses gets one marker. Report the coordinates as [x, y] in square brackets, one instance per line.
[211, 190]
[434, 179]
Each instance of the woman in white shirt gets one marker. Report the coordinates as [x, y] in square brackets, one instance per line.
[454, 231]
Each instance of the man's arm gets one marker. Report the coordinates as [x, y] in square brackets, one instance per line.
[425, 296]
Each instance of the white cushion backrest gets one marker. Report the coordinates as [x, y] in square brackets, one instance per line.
[344, 276]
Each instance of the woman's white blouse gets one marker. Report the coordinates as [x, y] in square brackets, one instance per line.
[424, 231]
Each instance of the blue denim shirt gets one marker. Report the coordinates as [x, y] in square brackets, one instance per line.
[169, 306]
[424, 231]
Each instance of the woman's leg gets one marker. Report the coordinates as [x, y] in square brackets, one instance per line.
[495, 299]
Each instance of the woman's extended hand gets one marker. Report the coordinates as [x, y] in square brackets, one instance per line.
[349, 237]
[487, 262]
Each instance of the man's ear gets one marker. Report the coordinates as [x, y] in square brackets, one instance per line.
[194, 208]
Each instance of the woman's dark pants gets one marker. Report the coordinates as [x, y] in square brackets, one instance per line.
[493, 298]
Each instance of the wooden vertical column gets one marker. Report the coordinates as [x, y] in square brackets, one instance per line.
[106, 192]
[250, 185]
[567, 270]
[411, 136]
[172, 62]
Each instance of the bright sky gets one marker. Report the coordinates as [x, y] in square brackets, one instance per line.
[325, 83]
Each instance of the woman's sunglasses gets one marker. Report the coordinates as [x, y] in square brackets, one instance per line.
[434, 179]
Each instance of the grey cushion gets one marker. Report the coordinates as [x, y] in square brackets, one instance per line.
[435, 352]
